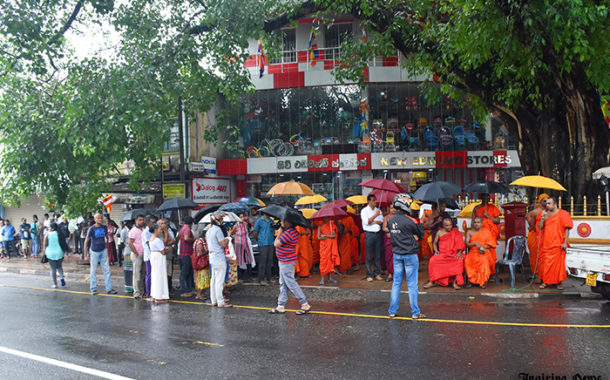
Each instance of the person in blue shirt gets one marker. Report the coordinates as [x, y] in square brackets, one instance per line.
[25, 232]
[8, 232]
[99, 254]
[264, 234]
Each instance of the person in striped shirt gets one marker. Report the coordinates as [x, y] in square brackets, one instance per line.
[286, 252]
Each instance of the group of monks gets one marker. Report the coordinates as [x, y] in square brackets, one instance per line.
[338, 245]
[453, 253]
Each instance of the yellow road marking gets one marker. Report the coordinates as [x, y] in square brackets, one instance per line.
[354, 315]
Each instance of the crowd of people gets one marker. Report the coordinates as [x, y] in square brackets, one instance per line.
[390, 241]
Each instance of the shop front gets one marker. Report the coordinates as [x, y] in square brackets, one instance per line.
[336, 176]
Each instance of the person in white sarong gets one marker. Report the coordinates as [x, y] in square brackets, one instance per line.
[159, 292]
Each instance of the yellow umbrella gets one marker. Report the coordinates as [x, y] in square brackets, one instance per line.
[350, 209]
[467, 211]
[290, 188]
[357, 199]
[538, 181]
[308, 212]
[310, 199]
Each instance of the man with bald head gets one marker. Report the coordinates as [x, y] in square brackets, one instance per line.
[98, 254]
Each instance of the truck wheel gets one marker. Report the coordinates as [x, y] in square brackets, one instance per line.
[603, 289]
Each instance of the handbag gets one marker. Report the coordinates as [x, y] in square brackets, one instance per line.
[44, 259]
[230, 250]
[200, 262]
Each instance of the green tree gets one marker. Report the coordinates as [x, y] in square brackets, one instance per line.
[539, 65]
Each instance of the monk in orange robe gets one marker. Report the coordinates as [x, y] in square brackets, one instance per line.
[447, 264]
[344, 242]
[489, 213]
[315, 243]
[304, 252]
[481, 245]
[425, 247]
[532, 234]
[329, 252]
[554, 230]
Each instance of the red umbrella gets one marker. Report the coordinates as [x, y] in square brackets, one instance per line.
[329, 212]
[339, 203]
[384, 198]
[382, 184]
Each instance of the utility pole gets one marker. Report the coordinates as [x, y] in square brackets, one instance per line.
[181, 138]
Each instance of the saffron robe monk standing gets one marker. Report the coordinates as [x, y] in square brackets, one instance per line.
[481, 245]
[329, 253]
[447, 264]
[344, 242]
[532, 235]
[554, 228]
[304, 252]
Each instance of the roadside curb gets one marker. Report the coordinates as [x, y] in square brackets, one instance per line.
[332, 293]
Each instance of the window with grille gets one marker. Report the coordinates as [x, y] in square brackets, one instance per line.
[289, 46]
[334, 37]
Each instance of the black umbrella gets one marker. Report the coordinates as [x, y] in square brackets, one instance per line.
[235, 207]
[432, 192]
[204, 211]
[485, 187]
[286, 213]
[177, 204]
[132, 214]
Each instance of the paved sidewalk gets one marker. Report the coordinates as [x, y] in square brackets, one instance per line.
[352, 286]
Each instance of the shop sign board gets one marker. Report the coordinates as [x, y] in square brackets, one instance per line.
[173, 190]
[209, 164]
[196, 167]
[440, 160]
[291, 164]
[323, 163]
[207, 190]
[262, 165]
[361, 161]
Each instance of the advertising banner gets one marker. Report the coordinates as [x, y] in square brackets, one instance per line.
[211, 190]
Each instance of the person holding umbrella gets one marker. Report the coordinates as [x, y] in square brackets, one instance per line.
[329, 250]
[371, 224]
[285, 249]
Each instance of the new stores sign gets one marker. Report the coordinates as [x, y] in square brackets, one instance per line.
[445, 160]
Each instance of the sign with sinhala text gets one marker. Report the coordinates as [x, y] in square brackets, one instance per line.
[211, 190]
[173, 190]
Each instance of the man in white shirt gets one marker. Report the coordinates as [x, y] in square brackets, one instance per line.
[371, 224]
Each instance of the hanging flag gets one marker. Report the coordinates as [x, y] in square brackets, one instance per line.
[108, 202]
[364, 37]
[313, 47]
[262, 59]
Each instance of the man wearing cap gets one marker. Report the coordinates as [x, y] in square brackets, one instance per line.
[532, 234]
[404, 234]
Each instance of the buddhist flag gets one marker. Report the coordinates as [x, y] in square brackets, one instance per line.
[313, 47]
[263, 58]
[108, 202]
[364, 36]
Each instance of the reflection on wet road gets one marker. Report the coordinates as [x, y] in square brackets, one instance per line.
[481, 337]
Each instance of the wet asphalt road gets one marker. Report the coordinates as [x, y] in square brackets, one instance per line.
[171, 341]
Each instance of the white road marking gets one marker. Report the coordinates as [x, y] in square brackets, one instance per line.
[59, 363]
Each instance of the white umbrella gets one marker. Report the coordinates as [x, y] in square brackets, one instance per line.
[602, 171]
[229, 218]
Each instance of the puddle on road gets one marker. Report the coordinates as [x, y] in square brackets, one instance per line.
[105, 354]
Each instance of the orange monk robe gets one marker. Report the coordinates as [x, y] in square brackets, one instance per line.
[315, 243]
[329, 252]
[553, 268]
[425, 249]
[304, 253]
[532, 245]
[355, 245]
[445, 266]
[344, 242]
[494, 212]
[477, 264]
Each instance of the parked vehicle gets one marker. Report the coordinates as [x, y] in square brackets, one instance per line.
[591, 263]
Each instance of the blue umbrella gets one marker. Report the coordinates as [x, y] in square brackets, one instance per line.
[235, 207]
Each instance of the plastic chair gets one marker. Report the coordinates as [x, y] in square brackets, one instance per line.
[459, 136]
[430, 138]
[470, 137]
[514, 257]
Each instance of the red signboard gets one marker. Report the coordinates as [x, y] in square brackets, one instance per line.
[323, 163]
[451, 160]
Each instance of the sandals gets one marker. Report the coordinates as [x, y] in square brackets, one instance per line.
[276, 311]
[543, 286]
[418, 316]
[225, 305]
[429, 285]
[303, 311]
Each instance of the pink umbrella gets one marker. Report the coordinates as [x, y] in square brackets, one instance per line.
[329, 212]
[382, 184]
[384, 198]
[339, 203]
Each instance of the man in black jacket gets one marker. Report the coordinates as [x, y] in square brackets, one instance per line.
[404, 234]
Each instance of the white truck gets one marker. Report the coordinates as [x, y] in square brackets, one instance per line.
[592, 263]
